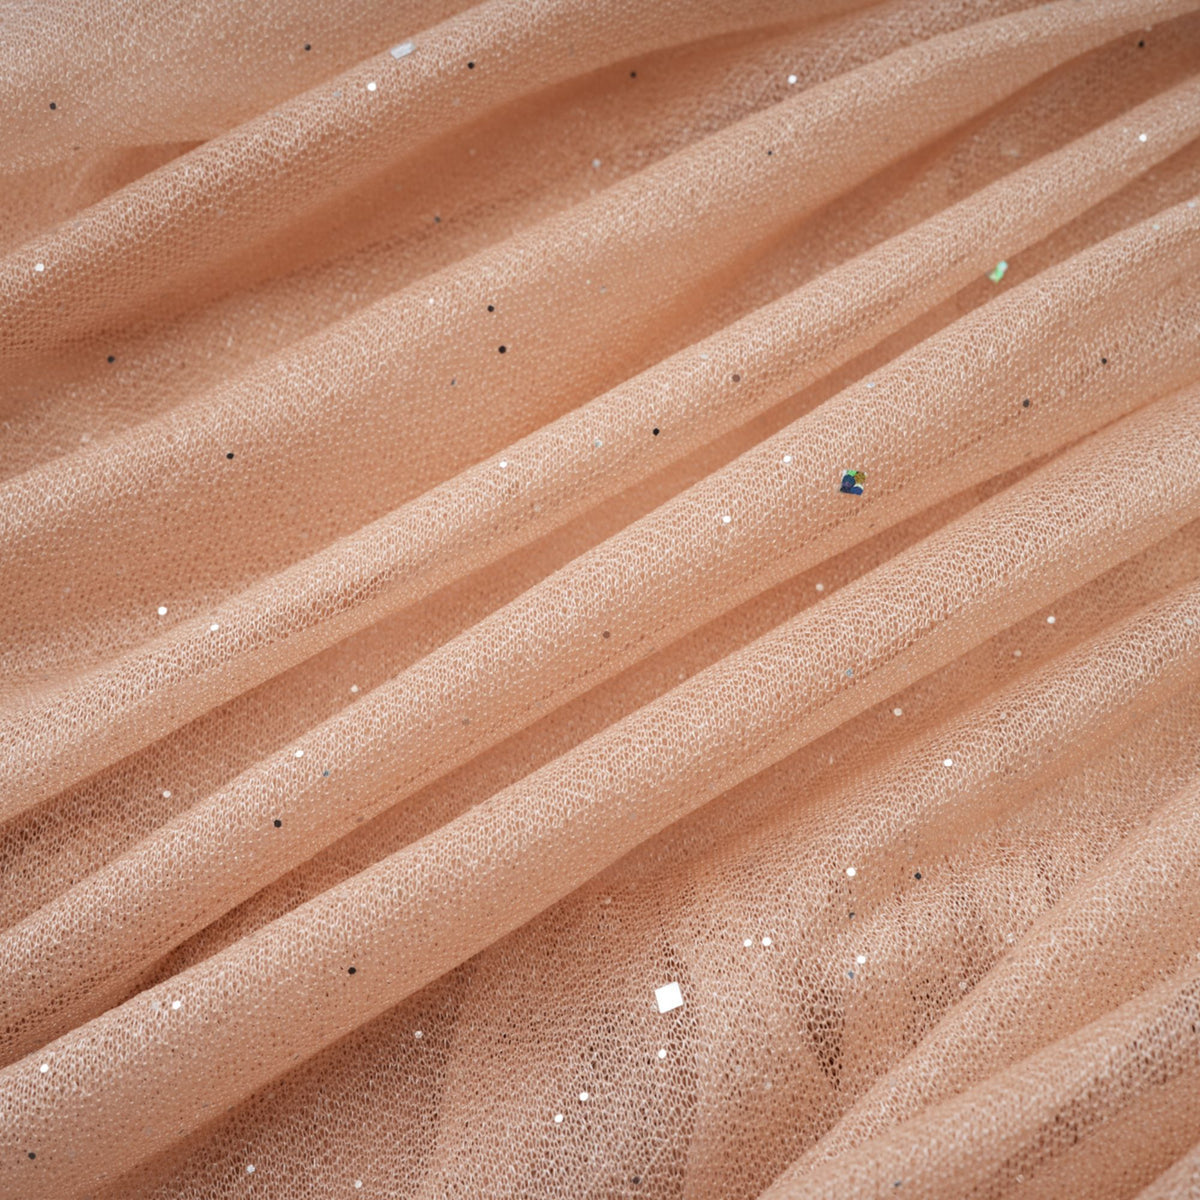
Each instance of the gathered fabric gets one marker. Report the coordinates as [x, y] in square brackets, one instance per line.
[601, 598]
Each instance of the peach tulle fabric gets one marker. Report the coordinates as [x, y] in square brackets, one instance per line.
[507, 509]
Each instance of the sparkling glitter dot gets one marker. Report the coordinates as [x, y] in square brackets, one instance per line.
[766, 941]
[558, 1118]
[662, 1054]
[358, 1182]
[791, 79]
[897, 712]
[1049, 620]
[249, 1168]
[852, 871]
[176, 1005]
[820, 587]
[726, 519]
[354, 689]
[299, 753]
[947, 762]
[213, 627]
[1016, 654]
[595, 164]
[787, 458]
[39, 266]
[584, 1096]
[371, 86]
[747, 941]
[504, 464]
[166, 795]
[860, 959]
[44, 1068]
[162, 610]
[1141, 137]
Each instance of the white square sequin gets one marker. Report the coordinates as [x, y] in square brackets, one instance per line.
[668, 997]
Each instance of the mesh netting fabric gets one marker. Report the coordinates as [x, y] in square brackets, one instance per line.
[601, 599]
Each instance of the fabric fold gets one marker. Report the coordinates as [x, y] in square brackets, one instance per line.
[600, 599]
[458, 700]
[502, 863]
[339, 133]
[1131, 920]
[690, 399]
[705, 892]
[1098, 1078]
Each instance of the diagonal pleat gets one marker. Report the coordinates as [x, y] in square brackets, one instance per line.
[426, 909]
[583, 458]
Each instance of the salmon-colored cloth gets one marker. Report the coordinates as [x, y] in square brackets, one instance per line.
[599, 598]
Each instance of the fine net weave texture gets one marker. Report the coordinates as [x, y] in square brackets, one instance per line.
[600, 599]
